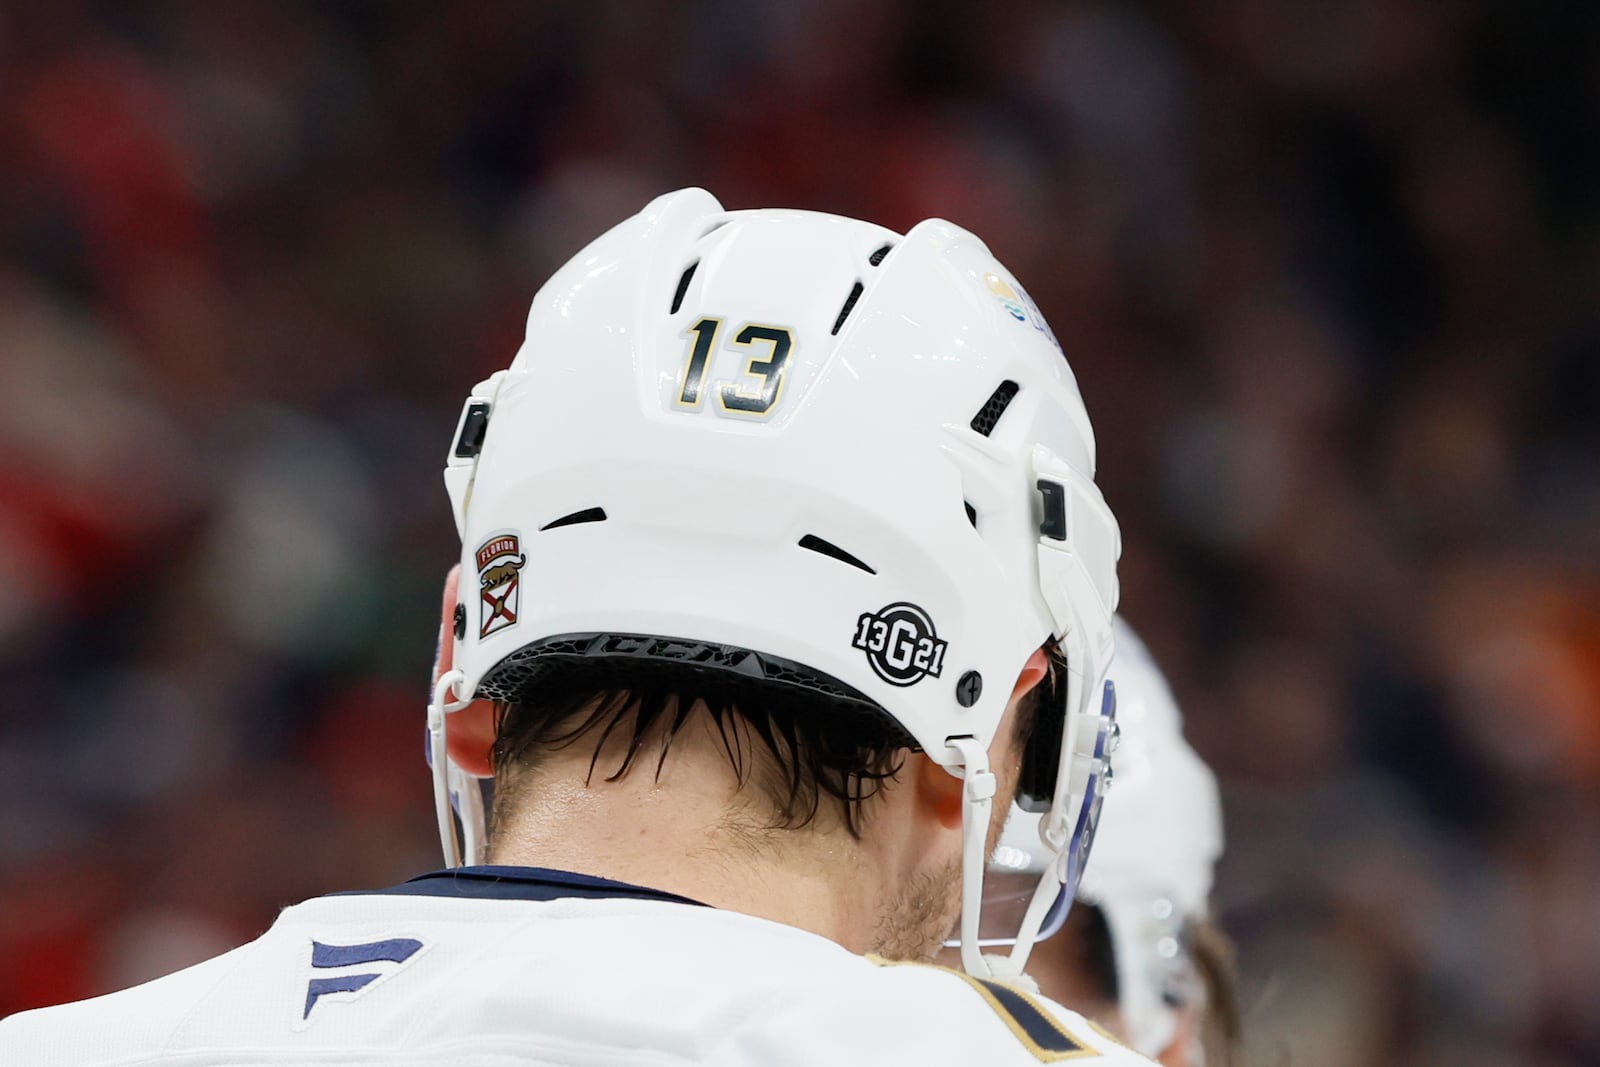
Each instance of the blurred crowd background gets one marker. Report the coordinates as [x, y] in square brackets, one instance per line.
[1329, 275]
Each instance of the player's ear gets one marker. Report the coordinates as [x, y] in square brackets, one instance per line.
[1036, 670]
[940, 790]
[470, 731]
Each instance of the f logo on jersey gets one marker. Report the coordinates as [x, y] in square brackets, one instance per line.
[900, 643]
[344, 972]
[499, 578]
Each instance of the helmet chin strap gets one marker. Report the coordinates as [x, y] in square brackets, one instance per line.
[451, 783]
[467, 792]
[1055, 831]
[977, 803]
[1044, 896]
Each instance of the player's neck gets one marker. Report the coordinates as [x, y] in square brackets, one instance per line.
[693, 833]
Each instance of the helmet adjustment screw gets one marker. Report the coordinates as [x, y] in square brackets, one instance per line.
[969, 689]
[461, 622]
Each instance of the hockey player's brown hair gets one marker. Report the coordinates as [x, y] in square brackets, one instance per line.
[796, 753]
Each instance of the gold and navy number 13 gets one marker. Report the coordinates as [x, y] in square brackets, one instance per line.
[757, 392]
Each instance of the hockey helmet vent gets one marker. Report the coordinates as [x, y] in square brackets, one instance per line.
[849, 303]
[683, 287]
[989, 415]
[828, 548]
[586, 515]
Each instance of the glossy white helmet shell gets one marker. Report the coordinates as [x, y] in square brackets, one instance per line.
[732, 390]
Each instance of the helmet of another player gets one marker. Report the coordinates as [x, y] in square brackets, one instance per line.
[801, 451]
[1160, 836]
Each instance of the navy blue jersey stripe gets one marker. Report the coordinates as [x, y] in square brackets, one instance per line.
[521, 883]
[1034, 1025]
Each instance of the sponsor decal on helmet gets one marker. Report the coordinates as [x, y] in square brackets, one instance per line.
[900, 643]
[1020, 305]
[500, 563]
[1007, 296]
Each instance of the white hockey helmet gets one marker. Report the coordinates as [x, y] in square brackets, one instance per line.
[1159, 839]
[804, 449]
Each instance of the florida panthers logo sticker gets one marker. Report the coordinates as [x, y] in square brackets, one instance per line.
[900, 643]
[500, 563]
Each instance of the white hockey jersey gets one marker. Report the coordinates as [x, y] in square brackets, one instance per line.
[508, 965]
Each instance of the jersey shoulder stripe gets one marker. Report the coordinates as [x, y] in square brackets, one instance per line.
[1047, 1031]
[1039, 1032]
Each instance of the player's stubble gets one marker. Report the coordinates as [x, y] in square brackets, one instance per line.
[927, 911]
[917, 923]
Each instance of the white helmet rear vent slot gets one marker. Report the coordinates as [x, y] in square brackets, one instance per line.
[877, 257]
[972, 513]
[849, 303]
[586, 515]
[683, 287]
[988, 416]
[828, 548]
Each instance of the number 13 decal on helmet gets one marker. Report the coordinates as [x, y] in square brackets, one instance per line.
[743, 397]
